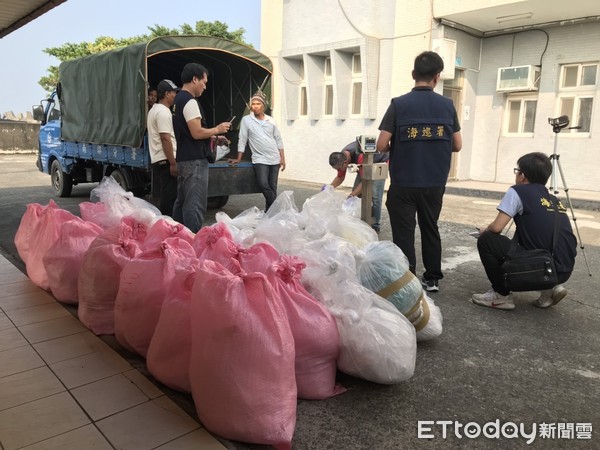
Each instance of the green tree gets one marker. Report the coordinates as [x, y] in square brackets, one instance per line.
[71, 50]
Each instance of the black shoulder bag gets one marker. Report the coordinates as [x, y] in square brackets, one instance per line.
[530, 270]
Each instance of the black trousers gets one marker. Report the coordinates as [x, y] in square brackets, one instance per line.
[403, 204]
[493, 249]
[166, 185]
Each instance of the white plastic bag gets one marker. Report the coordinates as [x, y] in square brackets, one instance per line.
[432, 327]
[384, 269]
[120, 203]
[352, 207]
[222, 151]
[377, 342]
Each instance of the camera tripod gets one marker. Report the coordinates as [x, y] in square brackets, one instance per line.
[557, 125]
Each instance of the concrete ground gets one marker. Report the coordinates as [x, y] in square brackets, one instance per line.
[539, 369]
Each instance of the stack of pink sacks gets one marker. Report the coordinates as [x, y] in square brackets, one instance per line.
[232, 325]
[238, 331]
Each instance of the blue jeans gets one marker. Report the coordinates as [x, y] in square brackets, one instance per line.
[377, 201]
[378, 186]
[266, 176]
[192, 193]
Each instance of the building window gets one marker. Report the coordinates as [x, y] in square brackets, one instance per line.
[303, 101]
[303, 92]
[356, 97]
[520, 115]
[328, 99]
[576, 96]
[356, 64]
[328, 75]
[327, 68]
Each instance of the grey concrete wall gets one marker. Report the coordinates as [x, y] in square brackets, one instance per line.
[19, 135]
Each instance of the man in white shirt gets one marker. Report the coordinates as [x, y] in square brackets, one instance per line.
[259, 131]
[161, 139]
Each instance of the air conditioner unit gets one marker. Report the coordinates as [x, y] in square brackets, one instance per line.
[518, 78]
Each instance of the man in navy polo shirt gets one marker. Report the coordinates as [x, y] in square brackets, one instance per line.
[193, 144]
[420, 130]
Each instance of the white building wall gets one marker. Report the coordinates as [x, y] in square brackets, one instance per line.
[494, 154]
[389, 35]
[388, 38]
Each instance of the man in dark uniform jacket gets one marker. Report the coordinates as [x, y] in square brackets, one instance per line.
[193, 141]
[534, 211]
[420, 130]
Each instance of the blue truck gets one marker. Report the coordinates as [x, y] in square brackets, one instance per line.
[94, 124]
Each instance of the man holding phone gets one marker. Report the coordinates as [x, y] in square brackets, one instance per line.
[259, 131]
[193, 145]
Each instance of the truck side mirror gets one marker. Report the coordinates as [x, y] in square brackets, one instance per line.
[38, 113]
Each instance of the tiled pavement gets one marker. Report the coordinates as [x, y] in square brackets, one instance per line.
[63, 388]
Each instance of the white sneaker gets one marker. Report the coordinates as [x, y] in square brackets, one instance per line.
[550, 297]
[492, 299]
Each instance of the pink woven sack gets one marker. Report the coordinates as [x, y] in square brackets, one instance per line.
[64, 259]
[258, 257]
[163, 229]
[169, 352]
[207, 237]
[100, 273]
[315, 332]
[242, 365]
[28, 222]
[45, 233]
[143, 287]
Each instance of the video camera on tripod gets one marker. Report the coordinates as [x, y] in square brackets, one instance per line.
[558, 124]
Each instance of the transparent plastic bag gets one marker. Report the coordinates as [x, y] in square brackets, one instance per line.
[120, 203]
[283, 203]
[352, 206]
[377, 343]
[428, 325]
[383, 269]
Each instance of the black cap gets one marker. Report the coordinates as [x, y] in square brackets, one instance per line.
[165, 86]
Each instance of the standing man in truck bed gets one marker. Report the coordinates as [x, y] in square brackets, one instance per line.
[193, 145]
[161, 139]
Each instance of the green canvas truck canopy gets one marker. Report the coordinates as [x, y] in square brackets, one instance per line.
[103, 96]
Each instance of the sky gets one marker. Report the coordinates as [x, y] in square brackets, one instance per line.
[24, 62]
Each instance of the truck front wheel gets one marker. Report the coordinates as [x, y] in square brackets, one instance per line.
[217, 202]
[62, 182]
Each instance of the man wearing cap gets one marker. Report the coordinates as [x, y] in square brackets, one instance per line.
[259, 131]
[161, 139]
[193, 146]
